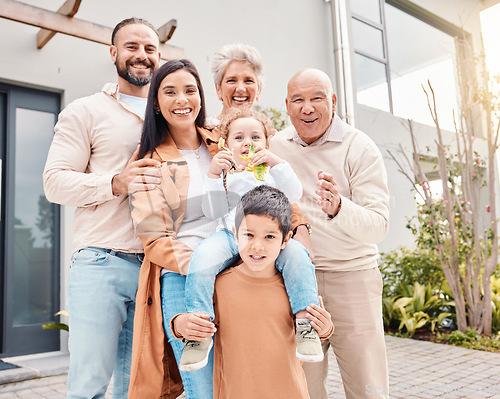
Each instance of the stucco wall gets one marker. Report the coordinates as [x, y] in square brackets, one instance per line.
[289, 34]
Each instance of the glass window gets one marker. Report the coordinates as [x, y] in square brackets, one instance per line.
[34, 221]
[369, 9]
[371, 79]
[368, 39]
[419, 52]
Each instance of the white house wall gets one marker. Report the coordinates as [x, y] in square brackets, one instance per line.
[289, 34]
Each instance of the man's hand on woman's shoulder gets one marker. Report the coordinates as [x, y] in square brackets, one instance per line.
[138, 175]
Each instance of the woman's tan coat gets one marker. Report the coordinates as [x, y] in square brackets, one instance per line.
[158, 215]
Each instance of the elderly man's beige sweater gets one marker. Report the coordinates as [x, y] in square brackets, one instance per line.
[348, 241]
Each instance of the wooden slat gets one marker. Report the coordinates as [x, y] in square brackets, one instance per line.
[39, 17]
[69, 8]
[166, 31]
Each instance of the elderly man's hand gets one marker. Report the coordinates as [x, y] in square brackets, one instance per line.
[329, 198]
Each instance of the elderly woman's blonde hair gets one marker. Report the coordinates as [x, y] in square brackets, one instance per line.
[238, 113]
[237, 52]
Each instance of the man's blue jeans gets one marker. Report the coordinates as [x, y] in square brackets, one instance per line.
[219, 251]
[197, 384]
[101, 302]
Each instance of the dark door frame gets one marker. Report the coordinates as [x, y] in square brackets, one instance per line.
[26, 339]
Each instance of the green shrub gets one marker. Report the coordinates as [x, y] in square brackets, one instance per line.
[418, 308]
[495, 298]
[471, 339]
[404, 267]
[278, 118]
[459, 338]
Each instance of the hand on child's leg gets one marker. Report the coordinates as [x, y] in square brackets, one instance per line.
[194, 326]
[320, 319]
[197, 329]
[315, 324]
[311, 323]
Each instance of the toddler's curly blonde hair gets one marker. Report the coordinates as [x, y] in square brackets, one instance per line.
[237, 113]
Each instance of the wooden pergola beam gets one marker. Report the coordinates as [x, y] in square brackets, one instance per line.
[69, 8]
[166, 31]
[41, 18]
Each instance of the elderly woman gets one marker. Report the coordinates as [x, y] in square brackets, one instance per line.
[238, 72]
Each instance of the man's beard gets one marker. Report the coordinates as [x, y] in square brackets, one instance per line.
[124, 73]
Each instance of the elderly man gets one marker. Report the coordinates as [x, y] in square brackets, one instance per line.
[89, 166]
[347, 203]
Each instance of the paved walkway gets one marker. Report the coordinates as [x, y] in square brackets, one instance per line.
[418, 370]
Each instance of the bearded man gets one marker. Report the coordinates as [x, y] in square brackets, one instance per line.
[92, 164]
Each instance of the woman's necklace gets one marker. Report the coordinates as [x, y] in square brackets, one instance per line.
[197, 153]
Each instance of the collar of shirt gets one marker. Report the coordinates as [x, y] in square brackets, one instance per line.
[333, 133]
[113, 90]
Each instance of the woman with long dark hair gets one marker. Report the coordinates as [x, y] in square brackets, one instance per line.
[171, 224]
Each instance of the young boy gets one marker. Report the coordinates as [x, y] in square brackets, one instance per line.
[255, 340]
[246, 135]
